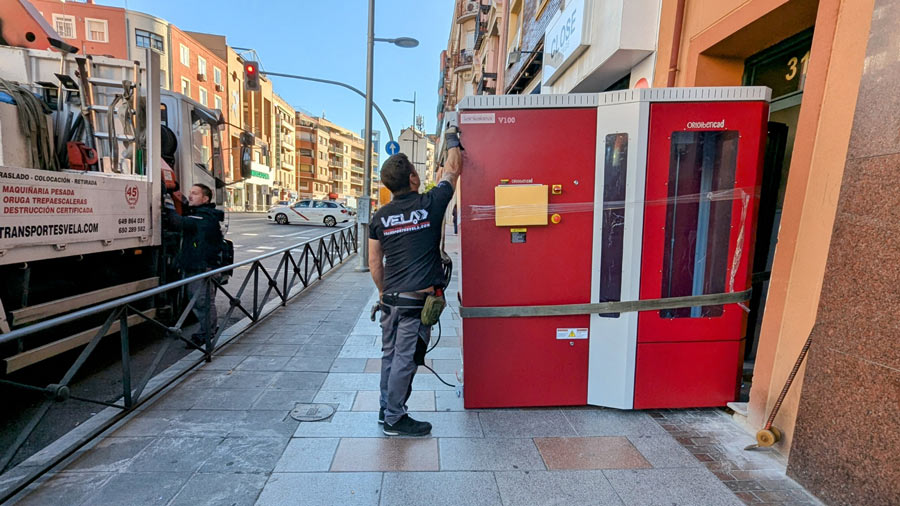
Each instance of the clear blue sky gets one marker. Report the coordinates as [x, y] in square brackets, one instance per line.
[327, 39]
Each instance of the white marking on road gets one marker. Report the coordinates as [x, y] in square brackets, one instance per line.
[266, 247]
[294, 234]
[250, 234]
[255, 251]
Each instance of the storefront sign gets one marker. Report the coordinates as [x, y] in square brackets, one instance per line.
[43, 207]
[567, 36]
[261, 175]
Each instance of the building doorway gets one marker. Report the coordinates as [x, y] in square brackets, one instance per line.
[782, 68]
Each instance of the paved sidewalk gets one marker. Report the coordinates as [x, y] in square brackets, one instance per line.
[224, 435]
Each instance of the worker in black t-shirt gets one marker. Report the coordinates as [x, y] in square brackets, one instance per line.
[405, 262]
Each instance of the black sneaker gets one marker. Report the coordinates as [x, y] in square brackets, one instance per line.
[406, 426]
[381, 416]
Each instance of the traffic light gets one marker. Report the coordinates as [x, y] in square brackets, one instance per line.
[251, 76]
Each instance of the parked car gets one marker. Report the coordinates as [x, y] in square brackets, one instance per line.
[311, 212]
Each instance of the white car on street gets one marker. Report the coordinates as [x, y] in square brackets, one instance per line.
[311, 212]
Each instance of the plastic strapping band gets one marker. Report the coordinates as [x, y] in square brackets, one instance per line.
[606, 307]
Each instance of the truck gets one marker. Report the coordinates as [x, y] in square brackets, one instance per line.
[92, 230]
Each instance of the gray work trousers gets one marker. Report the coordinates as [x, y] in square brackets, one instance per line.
[404, 340]
[205, 307]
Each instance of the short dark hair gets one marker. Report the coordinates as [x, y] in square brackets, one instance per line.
[395, 173]
[207, 192]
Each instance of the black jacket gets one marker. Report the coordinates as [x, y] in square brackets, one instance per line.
[201, 240]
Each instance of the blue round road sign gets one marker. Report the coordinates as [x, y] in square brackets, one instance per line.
[392, 147]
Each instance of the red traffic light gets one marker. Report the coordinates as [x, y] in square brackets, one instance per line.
[251, 76]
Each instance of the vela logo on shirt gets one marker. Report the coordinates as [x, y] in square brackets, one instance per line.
[396, 223]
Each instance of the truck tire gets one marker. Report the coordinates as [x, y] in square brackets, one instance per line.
[281, 219]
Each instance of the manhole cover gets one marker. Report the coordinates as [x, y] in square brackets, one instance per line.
[311, 412]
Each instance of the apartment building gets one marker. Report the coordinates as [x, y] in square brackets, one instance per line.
[93, 29]
[419, 148]
[147, 31]
[306, 135]
[285, 169]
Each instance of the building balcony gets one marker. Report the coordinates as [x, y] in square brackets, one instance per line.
[463, 60]
[357, 169]
[467, 10]
[356, 180]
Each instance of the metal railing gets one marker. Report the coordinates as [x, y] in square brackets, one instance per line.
[299, 266]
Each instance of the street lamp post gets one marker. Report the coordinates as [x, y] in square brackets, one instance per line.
[365, 204]
[415, 135]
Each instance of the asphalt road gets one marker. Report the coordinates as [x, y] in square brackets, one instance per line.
[254, 235]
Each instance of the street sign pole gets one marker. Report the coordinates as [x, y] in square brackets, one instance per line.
[365, 204]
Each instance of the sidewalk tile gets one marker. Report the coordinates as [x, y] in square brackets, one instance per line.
[370, 351]
[65, 488]
[262, 363]
[370, 400]
[319, 350]
[223, 363]
[212, 489]
[289, 338]
[612, 422]
[328, 339]
[277, 424]
[321, 489]
[452, 424]
[446, 342]
[427, 381]
[110, 454]
[663, 451]
[343, 424]
[245, 455]
[363, 340]
[148, 423]
[352, 381]
[477, 454]
[348, 365]
[446, 366]
[139, 488]
[344, 400]
[307, 454]
[173, 455]
[204, 423]
[447, 400]
[383, 454]
[444, 353]
[283, 399]
[584, 488]
[670, 486]
[611, 452]
[308, 364]
[205, 380]
[227, 399]
[298, 380]
[176, 399]
[525, 423]
[440, 489]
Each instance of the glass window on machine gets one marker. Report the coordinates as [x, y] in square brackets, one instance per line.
[612, 228]
[698, 218]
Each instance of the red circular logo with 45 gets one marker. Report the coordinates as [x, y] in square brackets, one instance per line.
[132, 194]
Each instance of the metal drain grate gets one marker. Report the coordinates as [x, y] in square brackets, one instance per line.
[311, 412]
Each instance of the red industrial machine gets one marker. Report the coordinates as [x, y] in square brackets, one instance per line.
[619, 196]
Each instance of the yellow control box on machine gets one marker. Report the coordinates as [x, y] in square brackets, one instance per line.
[518, 205]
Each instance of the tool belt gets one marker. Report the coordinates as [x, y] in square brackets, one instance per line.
[429, 309]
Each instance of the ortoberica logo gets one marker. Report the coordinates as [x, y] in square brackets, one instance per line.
[706, 124]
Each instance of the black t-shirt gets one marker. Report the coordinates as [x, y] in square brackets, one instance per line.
[409, 228]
